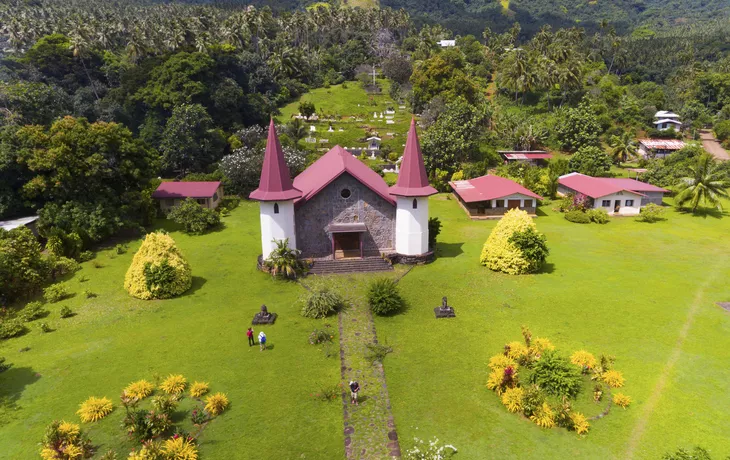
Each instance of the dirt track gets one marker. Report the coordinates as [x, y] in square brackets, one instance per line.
[713, 146]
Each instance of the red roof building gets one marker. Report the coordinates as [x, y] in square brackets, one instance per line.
[412, 179]
[608, 192]
[490, 197]
[331, 166]
[528, 156]
[171, 194]
[275, 183]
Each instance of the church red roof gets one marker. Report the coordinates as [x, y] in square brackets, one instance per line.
[186, 190]
[412, 179]
[275, 183]
[331, 166]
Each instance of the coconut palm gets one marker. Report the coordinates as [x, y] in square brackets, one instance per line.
[623, 147]
[284, 262]
[706, 183]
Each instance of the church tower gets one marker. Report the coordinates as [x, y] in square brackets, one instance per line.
[412, 191]
[276, 196]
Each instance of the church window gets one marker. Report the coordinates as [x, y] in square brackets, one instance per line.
[345, 193]
[276, 208]
[415, 203]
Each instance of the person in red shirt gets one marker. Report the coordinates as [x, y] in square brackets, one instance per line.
[249, 333]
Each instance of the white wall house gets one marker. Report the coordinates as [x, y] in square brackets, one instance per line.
[623, 203]
[664, 120]
[618, 196]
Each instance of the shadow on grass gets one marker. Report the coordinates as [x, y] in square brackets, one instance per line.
[540, 213]
[704, 213]
[198, 283]
[449, 249]
[546, 269]
[13, 382]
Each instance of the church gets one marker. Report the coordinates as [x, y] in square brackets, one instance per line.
[339, 208]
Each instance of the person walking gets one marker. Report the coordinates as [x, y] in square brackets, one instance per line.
[262, 341]
[249, 334]
[354, 389]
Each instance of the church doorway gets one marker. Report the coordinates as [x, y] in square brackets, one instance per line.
[347, 245]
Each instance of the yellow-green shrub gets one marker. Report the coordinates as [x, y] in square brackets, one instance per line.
[501, 362]
[158, 270]
[544, 417]
[583, 359]
[140, 389]
[94, 409]
[180, 449]
[517, 350]
[622, 400]
[215, 404]
[151, 450]
[498, 253]
[580, 422]
[540, 345]
[494, 381]
[512, 399]
[198, 389]
[174, 384]
[614, 379]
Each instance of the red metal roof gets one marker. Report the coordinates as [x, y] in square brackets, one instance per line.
[275, 183]
[412, 179]
[331, 166]
[663, 144]
[489, 188]
[596, 187]
[186, 190]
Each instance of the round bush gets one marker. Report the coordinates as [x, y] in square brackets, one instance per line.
[556, 375]
[599, 216]
[578, 217]
[514, 255]
[322, 303]
[383, 297]
[158, 270]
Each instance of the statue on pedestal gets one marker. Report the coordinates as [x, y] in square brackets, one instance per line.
[264, 317]
[444, 311]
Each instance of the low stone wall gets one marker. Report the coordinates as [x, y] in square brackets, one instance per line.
[422, 259]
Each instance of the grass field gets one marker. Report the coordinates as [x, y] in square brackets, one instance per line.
[114, 340]
[644, 293]
[348, 101]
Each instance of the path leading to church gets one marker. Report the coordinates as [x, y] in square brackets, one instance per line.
[369, 427]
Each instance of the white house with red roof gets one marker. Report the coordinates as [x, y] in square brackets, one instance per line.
[618, 196]
[659, 148]
[490, 197]
[340, 208]
[171, 194]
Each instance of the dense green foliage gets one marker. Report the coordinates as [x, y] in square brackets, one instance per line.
[158, 269]
[284, 262]
[555, 375]
[193, 217]
[533, 246]
[591, 161]
[321, 303]
[383, 297]
[515, 246]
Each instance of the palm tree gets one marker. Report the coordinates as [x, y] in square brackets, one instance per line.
[284, 262]
[706, 183]
[296, 130]
[623, 147]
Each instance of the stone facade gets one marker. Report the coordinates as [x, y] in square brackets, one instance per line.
[329, 206]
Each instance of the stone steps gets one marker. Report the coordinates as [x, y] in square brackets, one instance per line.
[368, 264]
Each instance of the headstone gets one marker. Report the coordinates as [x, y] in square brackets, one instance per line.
[310, 140]
[390, 122]
[312, 128]
[401, 106]
[341, 130]
[331, 130]
[263, 317]
[444, 311]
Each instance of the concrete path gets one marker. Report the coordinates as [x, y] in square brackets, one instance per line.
[713, 146]
[369, 427]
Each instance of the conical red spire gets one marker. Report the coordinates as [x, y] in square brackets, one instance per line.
[412, 179]
[275, 183]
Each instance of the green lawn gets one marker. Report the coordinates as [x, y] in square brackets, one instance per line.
[353, 101]
[644, 293]
[114, 340]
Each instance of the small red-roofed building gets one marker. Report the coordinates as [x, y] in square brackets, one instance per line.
[171, 194]
[490, 197]
[618, 196]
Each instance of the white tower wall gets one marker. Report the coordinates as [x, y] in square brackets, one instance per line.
[276, 226]
[411, 226]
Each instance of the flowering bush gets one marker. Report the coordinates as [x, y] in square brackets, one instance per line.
[215, 404]
[151, 450]
[512, 399]
[319, 336]
[523, 254]
[198, 416]
[94, 409]
[174, 384]
[139, 390]
[622, 400]
[500, 362]
[198, 389]
[583, 359]
[180, 448]
[580, 423]
[516, 350]
[544, 417]
[158, 270]
[614, 379]
[65, 441]
[433, 450]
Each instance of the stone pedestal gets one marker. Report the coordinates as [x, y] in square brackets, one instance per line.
[444, 311]
[263, 317]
